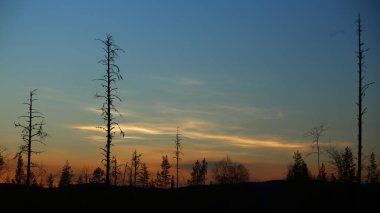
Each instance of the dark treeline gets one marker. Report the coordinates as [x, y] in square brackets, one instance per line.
[272, 196]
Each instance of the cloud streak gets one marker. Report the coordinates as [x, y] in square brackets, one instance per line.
[195, 130]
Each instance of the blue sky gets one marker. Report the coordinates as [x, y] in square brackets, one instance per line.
[244, 78]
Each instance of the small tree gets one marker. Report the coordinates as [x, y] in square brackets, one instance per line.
[50, 181]
[348, 167]
[31, 132]
[372, 173]
[228, 172]
[2, 162]
[158, 181]
[172, 183]
[298, 171]
[322, 173]
[136, 160]
[144, 176]
[109, 96]
[20, 175]
[198, 175]
[97, 176]
[66, 175]
[316, 133]
[80, 179]
[163, 177]
[115, 170]
[178, 148]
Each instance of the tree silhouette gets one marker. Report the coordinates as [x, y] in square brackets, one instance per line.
[163, 177]
[97, 176]
[115, 170]
[66, 175]
[144, 175]
[172, 183]
[109, 96]
[80, 179]
[298, 171]
[348, 166]
[178, 148]
[136, 160]
[20, 174]
[2, 162]
[343, 163]
[31, 132]
[362, 90]
[228, 172]
[322, 176]
[198, 175]
[50, 181]
[372, 173]
[316, 133]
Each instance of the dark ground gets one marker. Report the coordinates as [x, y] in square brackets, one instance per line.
[272, 196]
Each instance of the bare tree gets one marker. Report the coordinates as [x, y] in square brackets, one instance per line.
[178, 148]
[136, 161]
[362, 90]
[315, 133]
[31, 132]
[109, 96]
[115, 170]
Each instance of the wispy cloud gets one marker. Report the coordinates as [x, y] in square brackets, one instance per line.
[148, 130]
[98, 138]
[195, 130]
[244, 141]
[97, 111]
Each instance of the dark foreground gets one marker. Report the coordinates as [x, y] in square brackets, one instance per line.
[273, 196]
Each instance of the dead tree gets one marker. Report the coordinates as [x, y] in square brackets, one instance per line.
[361, 93]
[178, 148]
[136, 162]
[115, 170]
[109, 96]
[31, 132]
[315, 134]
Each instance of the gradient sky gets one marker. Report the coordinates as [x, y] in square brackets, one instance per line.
[246, 79]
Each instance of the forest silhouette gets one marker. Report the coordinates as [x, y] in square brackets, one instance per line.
[221, 186]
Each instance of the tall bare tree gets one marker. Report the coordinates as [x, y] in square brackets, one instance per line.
[178, 152]
[109, 96]
[315, 134]
[31, 132]
[362, 89]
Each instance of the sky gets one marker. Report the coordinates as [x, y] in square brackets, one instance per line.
[245, 79]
